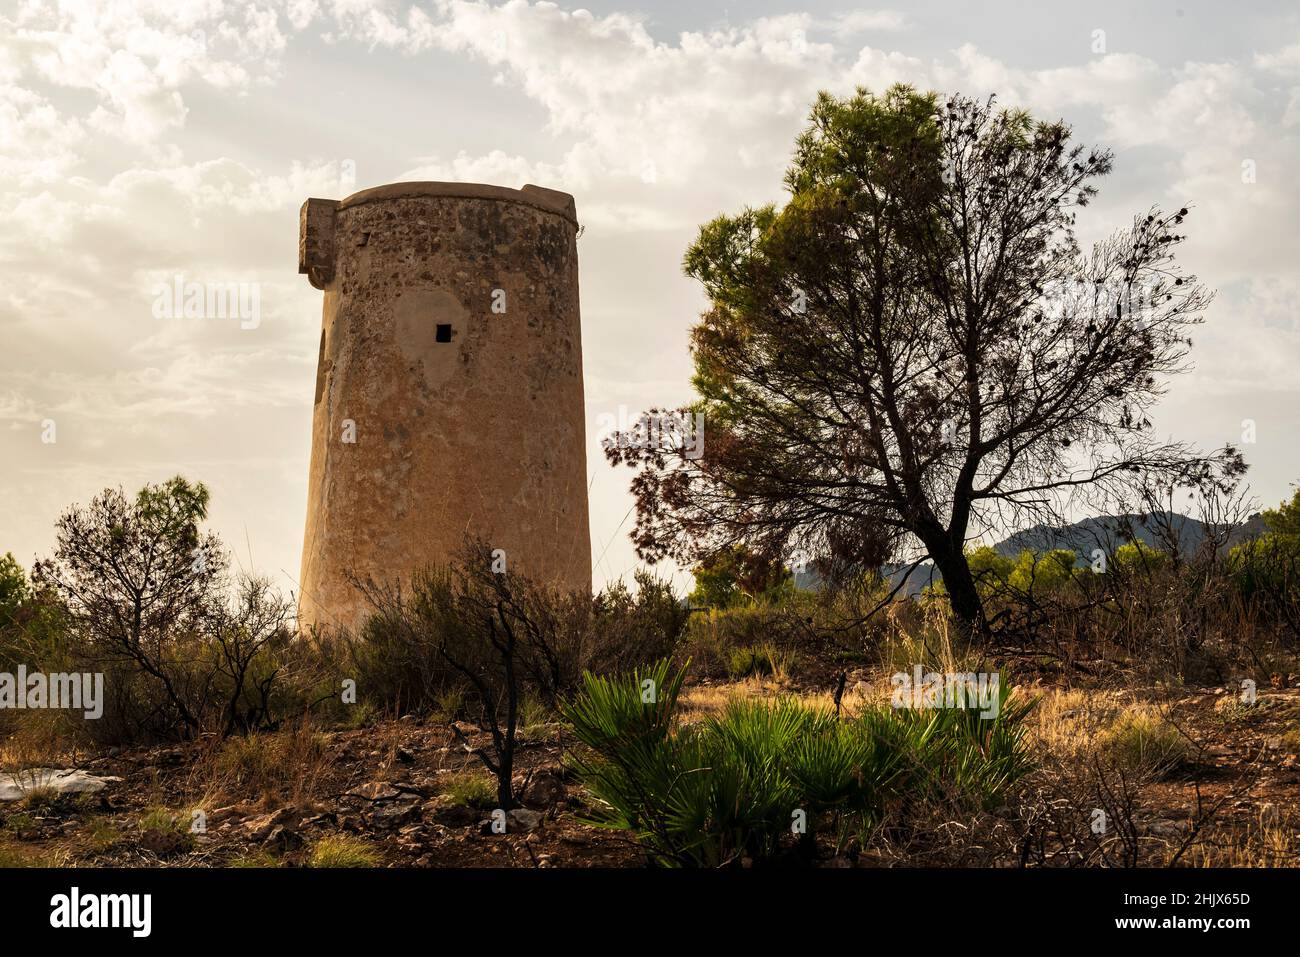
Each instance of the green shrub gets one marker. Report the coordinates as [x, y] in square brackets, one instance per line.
[625, 710]
[719, 641]
[1031, 574]
[14, 590]
[1138, 556]
[471, 787]
[764, 660]
[732, 786]
[398, 654]
[956, 756]
[21, 824]
[630, 630]
[1042, 573]
[1267, 566]
[166, 832]
[535, 719]
[736, 576]
[104, 836]
[362, 715]
[1142, 741]
[449, 704]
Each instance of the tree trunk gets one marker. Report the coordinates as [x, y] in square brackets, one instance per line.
[959, 583]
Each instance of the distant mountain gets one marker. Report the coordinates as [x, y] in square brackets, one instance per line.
[920, 577]
[1107, 532]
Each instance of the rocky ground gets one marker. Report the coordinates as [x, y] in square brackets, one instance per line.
[1241, 786]
[385, 786]
[406, 794]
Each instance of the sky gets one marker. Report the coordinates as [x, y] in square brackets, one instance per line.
[145, 141]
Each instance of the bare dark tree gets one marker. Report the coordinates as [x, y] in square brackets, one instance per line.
[255, 623]
[495, 629]
[914, 350]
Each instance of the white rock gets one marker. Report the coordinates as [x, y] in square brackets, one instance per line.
[14, 786]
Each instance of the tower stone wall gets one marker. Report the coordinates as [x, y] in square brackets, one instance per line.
[449, 396]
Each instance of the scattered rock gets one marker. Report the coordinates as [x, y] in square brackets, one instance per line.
[224, 812]
[464, 728]
[1166, 828]
[522, 819]
[166, 757]
[544, 789]
[260, 828]
[283, 839]
[375, 791]
[443, 810]
[162, 841]
[519, 821]
[394, 815]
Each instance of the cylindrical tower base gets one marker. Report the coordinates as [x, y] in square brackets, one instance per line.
[449, 389]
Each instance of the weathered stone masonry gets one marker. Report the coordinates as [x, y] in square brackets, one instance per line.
[436, 415]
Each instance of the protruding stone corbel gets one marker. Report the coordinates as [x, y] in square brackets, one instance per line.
[562, 202]
[316, 241]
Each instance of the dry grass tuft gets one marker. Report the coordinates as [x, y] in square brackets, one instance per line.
[287, 767]
[342, 850]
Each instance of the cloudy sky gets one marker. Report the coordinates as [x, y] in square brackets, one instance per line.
[144, 140]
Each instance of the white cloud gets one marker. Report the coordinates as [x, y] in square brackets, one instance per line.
[866, 21]
[136, 56]
[36, 144]
[102, 194]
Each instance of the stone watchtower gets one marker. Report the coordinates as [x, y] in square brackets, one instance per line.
[448, 390]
